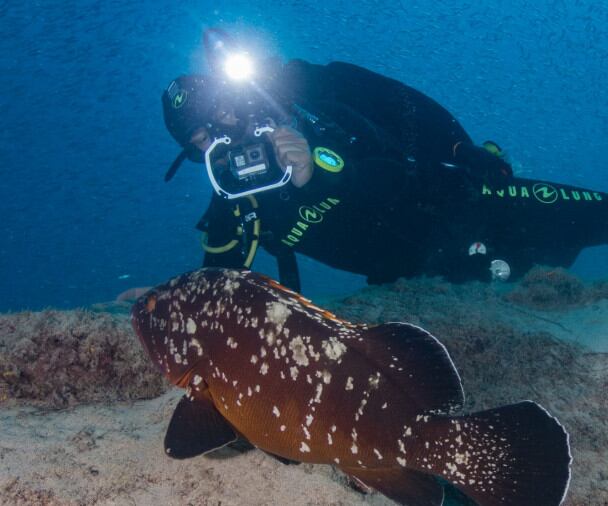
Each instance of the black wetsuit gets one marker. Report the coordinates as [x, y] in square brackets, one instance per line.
[401, 204]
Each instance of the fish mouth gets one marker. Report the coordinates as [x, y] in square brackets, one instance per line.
[151, 336]
[140, 311]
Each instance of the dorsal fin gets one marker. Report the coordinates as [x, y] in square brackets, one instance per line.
[271, 283]
[417, 363]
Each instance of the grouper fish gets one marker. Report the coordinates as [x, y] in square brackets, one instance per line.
[382, 403]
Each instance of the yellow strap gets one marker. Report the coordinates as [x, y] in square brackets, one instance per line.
[239, 232]
[217, 249]
[256, 234]
[253, 200]
[254, 244]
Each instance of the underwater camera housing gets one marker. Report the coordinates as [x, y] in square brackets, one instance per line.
[248, 161]
[246, 169]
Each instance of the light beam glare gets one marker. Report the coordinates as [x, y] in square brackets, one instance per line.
[238, 67]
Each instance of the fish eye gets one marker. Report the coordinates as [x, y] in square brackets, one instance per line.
[151, 303]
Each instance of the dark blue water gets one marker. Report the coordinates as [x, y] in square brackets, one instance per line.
[84, 210]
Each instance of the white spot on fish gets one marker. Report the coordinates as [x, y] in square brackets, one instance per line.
[294, 373]
[354, 449]
[309, 419]
[232, 343]
[282, 428]
[196, 380]
[298, 349]
[319, 392]
[190, 326]
[333, 348]
[378, 454]
[374, 381]
[276, 412]
[277, 313]
[326, 375]
[304, 448]
[254, 359]
[402, 462]
[230, 286]
[401, 446]
[313, 354]
[264, 368]
[195, 344]
[271, 338]
[349, 383]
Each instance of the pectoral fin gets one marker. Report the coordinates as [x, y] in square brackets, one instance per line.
[196, 428]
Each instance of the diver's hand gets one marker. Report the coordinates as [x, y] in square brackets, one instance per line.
[291, 148]
[482, 165]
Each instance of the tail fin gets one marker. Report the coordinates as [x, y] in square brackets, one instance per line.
[517, 454]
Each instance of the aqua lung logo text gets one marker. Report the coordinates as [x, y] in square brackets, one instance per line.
[310, 215]
[180, 99]
[542, 192]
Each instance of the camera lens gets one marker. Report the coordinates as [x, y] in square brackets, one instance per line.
[254, 154]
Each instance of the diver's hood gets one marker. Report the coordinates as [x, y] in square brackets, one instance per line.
[193, 102]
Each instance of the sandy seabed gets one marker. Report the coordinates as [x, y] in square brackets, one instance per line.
[83, 412]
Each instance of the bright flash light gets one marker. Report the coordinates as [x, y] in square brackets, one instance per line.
[238, 66]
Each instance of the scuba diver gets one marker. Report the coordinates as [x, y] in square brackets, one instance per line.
[364, 174]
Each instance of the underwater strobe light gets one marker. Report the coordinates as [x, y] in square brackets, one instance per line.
[238, 66]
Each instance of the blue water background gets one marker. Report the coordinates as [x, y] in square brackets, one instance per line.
[84, 210]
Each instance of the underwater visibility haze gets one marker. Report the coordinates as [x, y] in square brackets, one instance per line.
[497, 388]
[86, 213]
